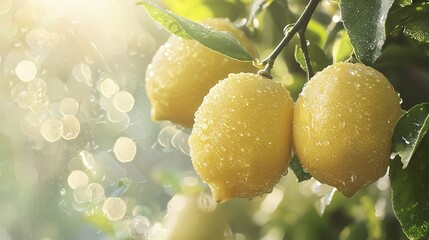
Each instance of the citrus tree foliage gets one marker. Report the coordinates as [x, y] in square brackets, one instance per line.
[389, 35]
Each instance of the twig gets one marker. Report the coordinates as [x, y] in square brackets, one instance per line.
[300, 24]
[304, 48]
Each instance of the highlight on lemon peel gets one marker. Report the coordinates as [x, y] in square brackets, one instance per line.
[241, 140]
[343, 124]
[183, 71]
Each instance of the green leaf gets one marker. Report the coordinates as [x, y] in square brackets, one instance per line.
[364, 22]
[355, 231]
[316, 33]
[318, 58]
[342, 48]
[222, 42]
[99, 220]
[203, 9]
[297, 168]
[409, 132]
[410, 193]
[402, 54]
[401, 16]
[418, 29]
[373, 224]
[403, 3]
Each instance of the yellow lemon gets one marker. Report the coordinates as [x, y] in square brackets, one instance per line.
[241, 141]
[183, 71]
[343, 124]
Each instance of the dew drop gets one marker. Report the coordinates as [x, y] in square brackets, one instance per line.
[114, 208]
[77, 179]
[96, 192]
[51, 130]
[123, 101]
[406, 140]
[69, 106]
[125, 149]
[26, 70]
[108, 87]
[71, 127]
[356, 85]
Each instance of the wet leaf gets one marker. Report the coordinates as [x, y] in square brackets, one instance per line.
[403, 16]
[318, 58]
[203, 9]
[364, 22]
[99, 220]
[403, 2]
[418, 29]
[316, 33]
[373, 223]
[410, 192]
[409, 132]
[219, 41]
[342, 49]
[297, 168]
[400, 55]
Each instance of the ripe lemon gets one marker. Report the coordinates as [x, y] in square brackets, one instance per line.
[343, 124]
[183, 71]
[194, 217]
[241, 141]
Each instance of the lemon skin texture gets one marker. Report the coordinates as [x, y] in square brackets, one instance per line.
[241, 141]
[189, 219]
[343, 124]
[183, 71]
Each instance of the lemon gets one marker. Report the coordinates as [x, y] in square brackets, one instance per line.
[194, 217]
[241, 141]
[183, 71]
[343, 124]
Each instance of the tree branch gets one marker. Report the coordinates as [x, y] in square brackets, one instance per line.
[304, 48]
[300, 24]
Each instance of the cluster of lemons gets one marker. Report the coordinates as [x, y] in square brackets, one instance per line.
[245, 127]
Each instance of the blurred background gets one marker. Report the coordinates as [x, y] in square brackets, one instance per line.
[80, 157]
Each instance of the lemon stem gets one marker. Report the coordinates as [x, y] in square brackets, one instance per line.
[301, 24]
[304, 48]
